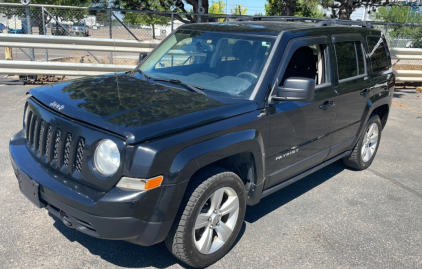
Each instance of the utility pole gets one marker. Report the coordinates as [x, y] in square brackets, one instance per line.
[199, 10]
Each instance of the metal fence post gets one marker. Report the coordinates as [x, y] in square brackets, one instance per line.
[111, 32]
[199, 10]
[44, 30]
[29, 26]
[172, 22]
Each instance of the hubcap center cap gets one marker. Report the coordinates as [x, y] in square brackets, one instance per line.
[215, 219]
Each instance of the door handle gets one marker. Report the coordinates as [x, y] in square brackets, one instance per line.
[327, 104]
[365, 92]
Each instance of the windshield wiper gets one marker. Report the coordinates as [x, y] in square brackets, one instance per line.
[194, 88]
[143, 74]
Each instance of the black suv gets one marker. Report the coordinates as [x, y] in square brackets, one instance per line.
[217, 117]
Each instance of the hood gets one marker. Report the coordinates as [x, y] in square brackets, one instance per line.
[135, 108]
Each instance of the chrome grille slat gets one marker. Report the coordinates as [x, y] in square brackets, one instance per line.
[54, 144]
[40, 137]
[67, 150]
[32, 130]
[79, 154]
[47, 141]
[28, 127]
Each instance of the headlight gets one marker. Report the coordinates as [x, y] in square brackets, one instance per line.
[107, 157]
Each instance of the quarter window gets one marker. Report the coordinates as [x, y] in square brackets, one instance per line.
[377, 54]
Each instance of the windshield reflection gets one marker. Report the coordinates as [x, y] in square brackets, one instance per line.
[222, 64]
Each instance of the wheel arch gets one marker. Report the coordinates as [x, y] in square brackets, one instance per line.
[240, 152]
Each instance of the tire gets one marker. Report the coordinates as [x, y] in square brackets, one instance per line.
[210, 240]
[365, 150]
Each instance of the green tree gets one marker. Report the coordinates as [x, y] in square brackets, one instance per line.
[164, 5]
[343, 9]
[400, 14]
[301, 8]
[217, 8]
[36, 13]
[309, 8]
[147, 19]
[280, 7]
[239, 10]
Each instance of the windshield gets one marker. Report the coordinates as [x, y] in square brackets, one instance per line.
[222, 64]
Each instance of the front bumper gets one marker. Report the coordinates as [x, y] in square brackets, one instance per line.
[117, 214]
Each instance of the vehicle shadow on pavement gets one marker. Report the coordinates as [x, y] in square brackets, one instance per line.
[291, 192]
[125, 254]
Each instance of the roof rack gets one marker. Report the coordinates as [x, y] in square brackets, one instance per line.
[277, 18]
[332, 22]
[320, 22]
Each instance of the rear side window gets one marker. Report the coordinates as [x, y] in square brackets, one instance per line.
[377, 54]
[350, 60]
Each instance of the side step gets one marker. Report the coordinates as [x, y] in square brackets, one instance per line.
[304, 174]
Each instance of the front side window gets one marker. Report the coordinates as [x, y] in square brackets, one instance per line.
[350, 60]
[309, 62]
[220, 63]
[377, 54]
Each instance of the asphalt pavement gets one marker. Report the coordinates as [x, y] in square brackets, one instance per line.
[335, 218]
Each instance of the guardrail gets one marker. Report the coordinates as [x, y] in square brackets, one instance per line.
[401, 54]
[75, 43]
[115, 45]
[68, 43]
[59, 69]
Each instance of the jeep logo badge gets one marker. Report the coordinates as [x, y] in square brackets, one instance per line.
[56, 106]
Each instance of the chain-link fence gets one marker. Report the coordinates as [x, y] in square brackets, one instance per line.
[87, 23]
[402, 35]
[136, 25]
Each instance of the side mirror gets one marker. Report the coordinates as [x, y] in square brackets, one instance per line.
[295, 89]
[142, 56]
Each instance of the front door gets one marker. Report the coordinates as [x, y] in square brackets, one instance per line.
[300, 131]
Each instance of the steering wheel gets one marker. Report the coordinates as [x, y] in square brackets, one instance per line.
[251, 77]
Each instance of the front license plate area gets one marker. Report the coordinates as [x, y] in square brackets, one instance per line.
[31, 189]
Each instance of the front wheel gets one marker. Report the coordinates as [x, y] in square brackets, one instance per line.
[365, 150]
[211, 220]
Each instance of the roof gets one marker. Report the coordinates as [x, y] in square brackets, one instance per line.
[268, 27]
[272, 28]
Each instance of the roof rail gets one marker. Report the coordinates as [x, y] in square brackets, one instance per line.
[277, 18]
[333, 22]
[320, 22]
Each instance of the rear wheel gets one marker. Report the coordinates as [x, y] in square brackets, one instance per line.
[210, 221]
[365, 150]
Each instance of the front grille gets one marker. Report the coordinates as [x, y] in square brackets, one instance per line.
[56, 147]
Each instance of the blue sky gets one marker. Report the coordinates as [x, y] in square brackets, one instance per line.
[258, 6]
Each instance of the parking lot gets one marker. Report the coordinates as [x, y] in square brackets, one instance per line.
[335, 218]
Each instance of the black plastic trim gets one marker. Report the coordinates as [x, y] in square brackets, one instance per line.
[302, 175]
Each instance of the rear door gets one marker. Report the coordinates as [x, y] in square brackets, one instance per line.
[353, 88]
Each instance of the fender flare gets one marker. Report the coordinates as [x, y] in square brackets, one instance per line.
[197, 156]
[373, 103]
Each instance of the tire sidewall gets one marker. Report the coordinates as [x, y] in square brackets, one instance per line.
[237, 185]
[373, 119]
